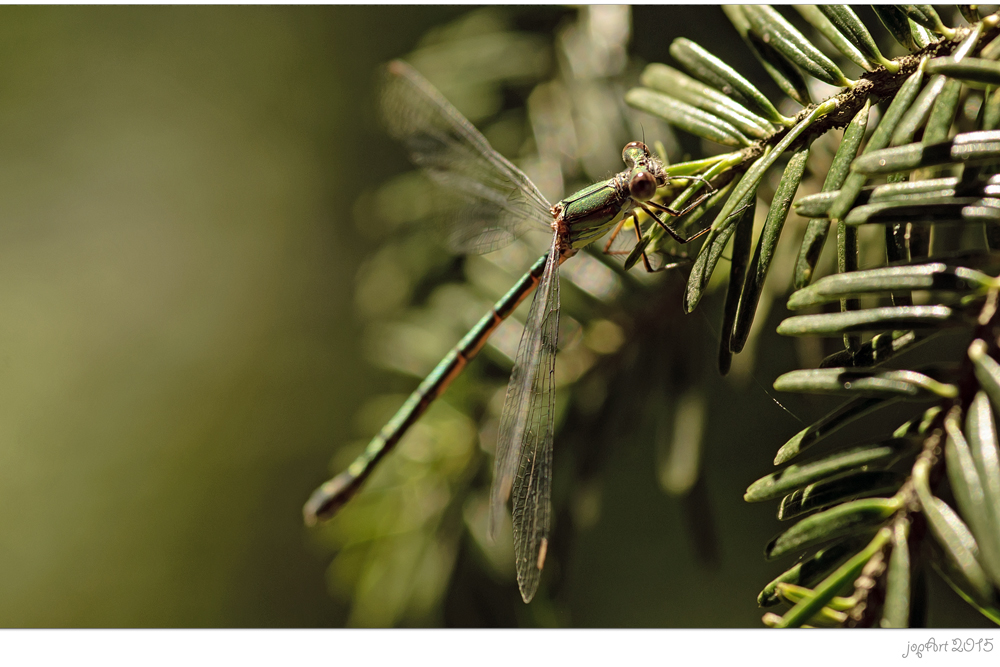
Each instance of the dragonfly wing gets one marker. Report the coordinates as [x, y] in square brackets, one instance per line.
[495, 200]
[524, 448]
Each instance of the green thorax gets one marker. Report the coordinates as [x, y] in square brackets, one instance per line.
[589, 213]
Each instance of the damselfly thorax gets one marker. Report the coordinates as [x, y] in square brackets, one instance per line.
[589, 213]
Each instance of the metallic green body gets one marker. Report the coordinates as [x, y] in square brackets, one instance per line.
[589, 213]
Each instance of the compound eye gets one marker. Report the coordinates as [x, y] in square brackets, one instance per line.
[642, 187]
[633, 152]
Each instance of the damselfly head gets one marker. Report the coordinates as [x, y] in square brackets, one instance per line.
[645, 171]
[635, 153]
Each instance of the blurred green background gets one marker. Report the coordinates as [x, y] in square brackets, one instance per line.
[181, 355]
[177, 356]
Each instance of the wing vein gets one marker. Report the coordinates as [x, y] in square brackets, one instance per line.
[523, 467]
[489, 201]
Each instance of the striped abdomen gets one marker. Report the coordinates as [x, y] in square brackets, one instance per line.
[330, 497]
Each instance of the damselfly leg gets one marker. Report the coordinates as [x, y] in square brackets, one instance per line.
[675, 234]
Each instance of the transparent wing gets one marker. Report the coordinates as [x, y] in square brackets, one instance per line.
[624, 240]
[496, 201]
[524, 447]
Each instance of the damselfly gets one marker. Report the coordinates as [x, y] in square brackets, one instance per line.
[499, 202]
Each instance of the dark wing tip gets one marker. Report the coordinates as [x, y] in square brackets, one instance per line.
[327, 500]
